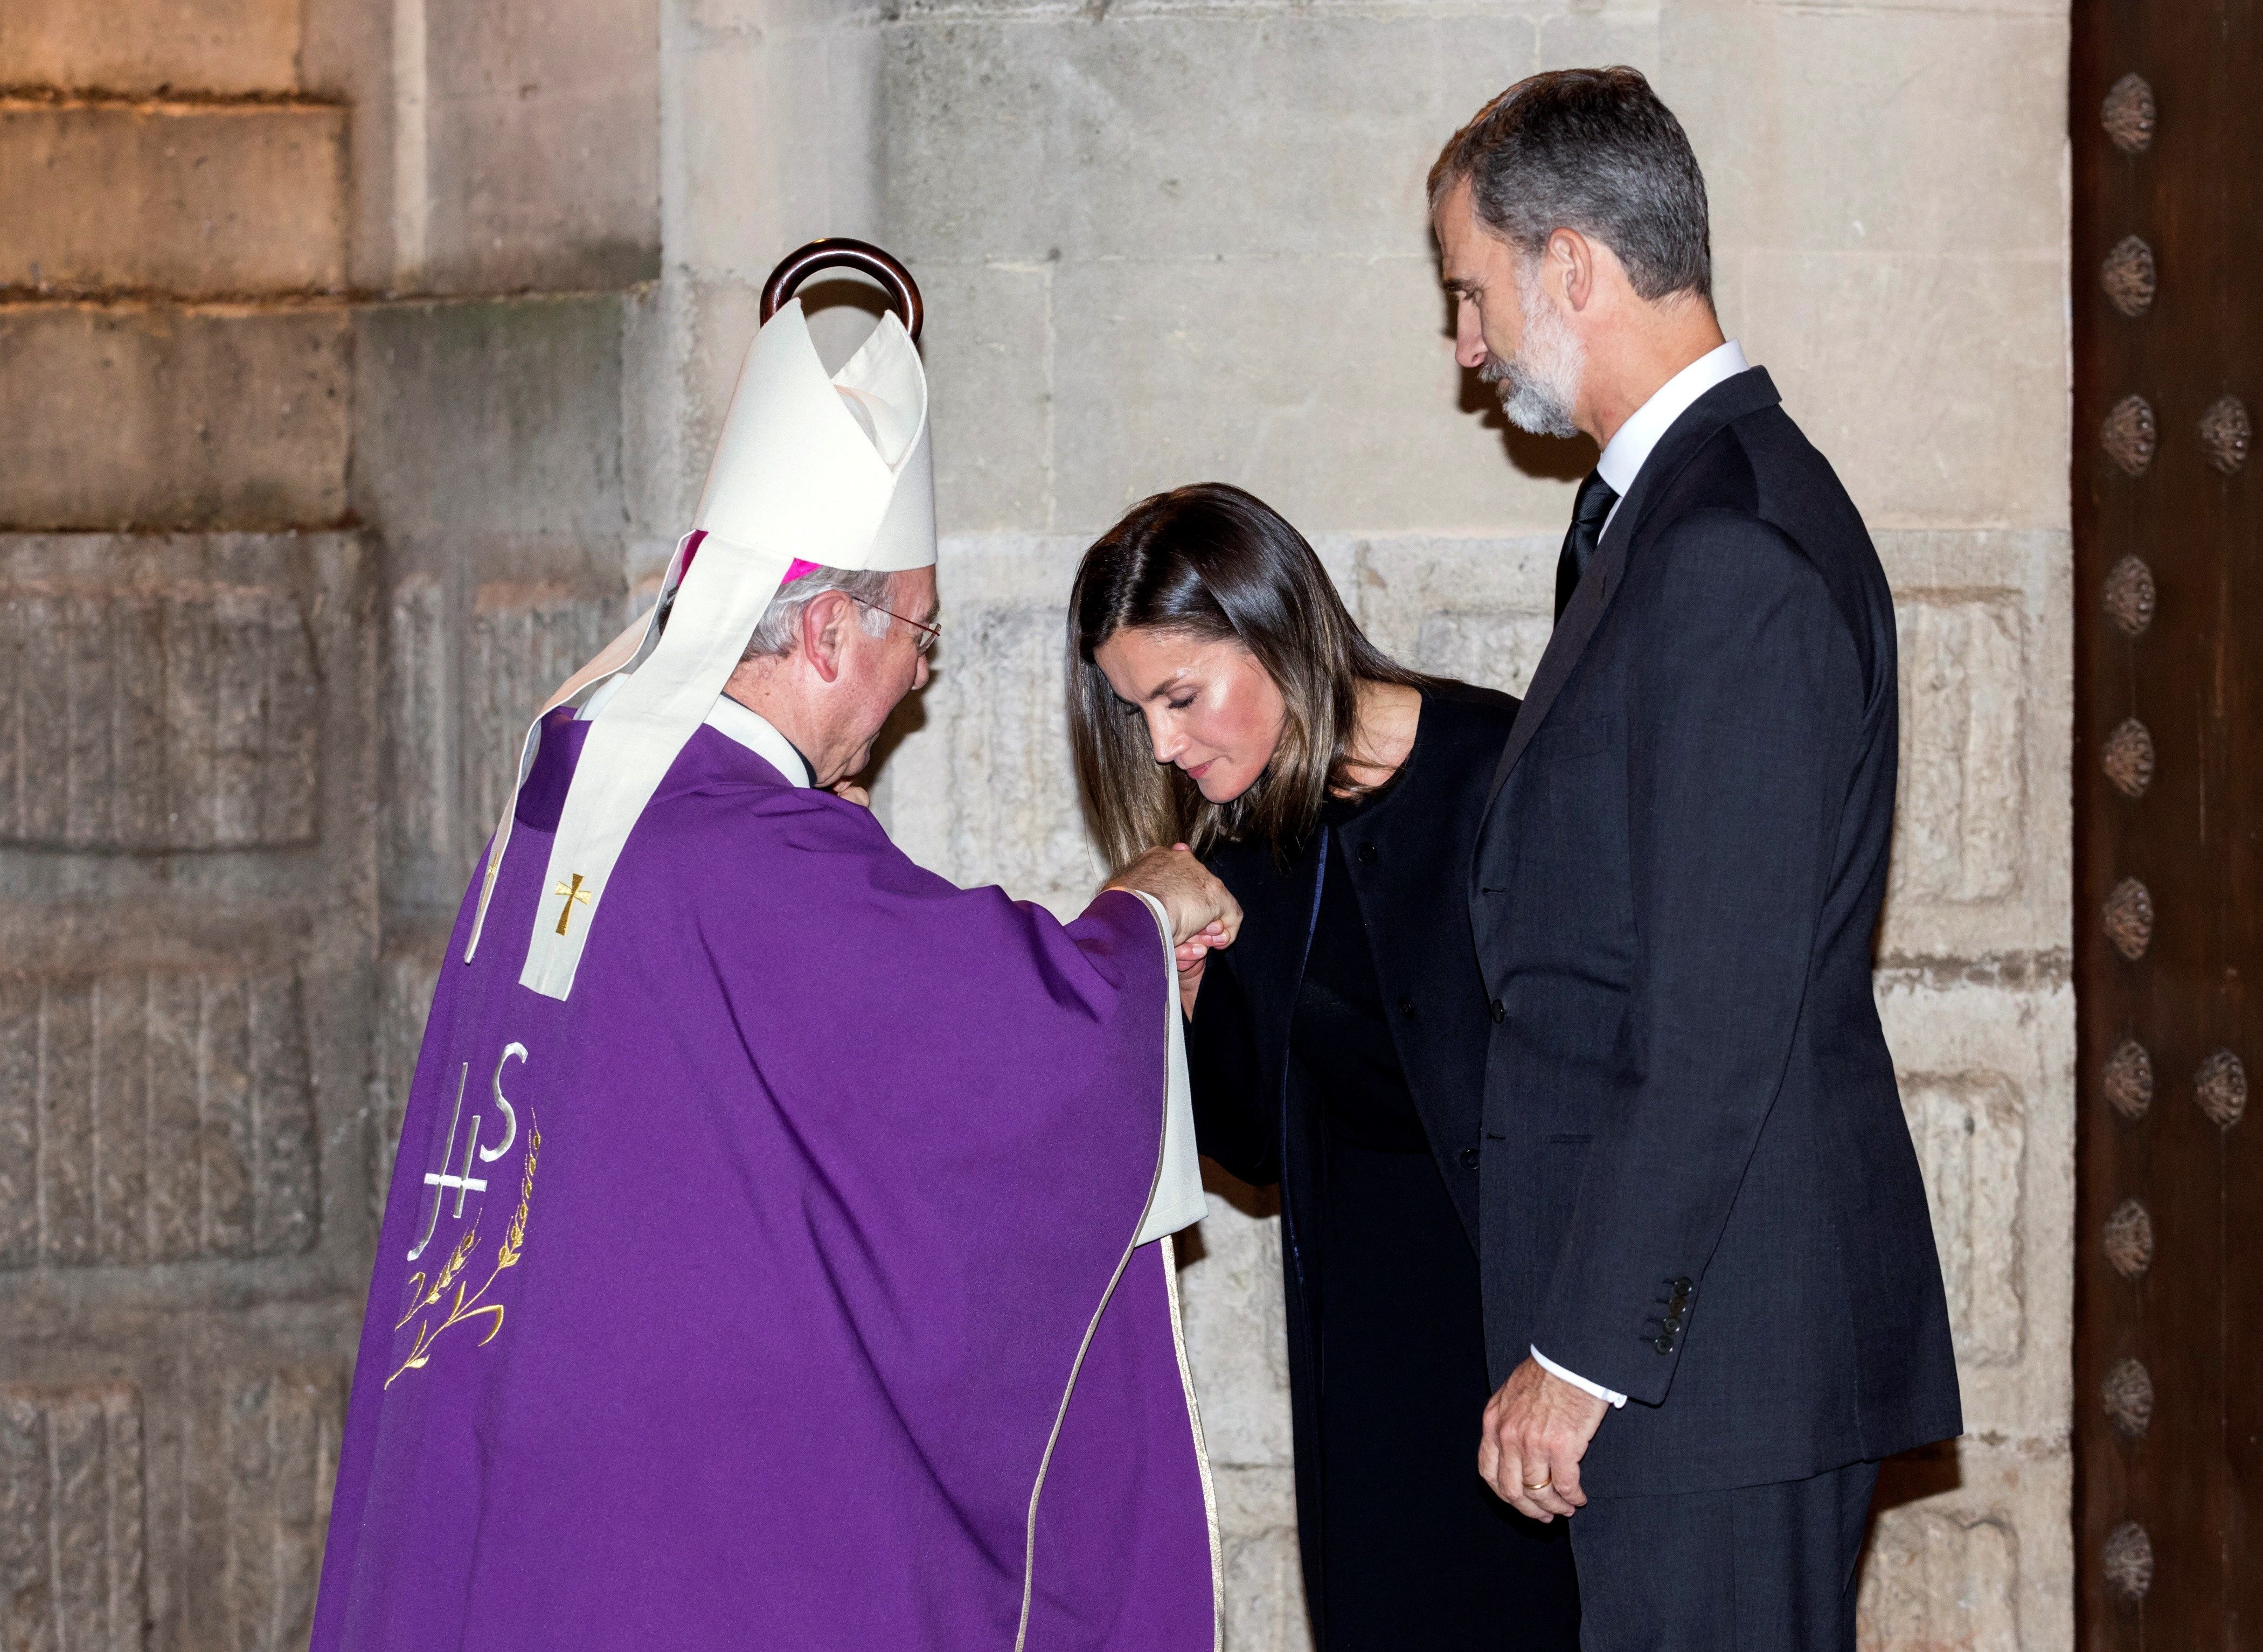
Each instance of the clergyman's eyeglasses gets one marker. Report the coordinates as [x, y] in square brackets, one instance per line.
[930, 634]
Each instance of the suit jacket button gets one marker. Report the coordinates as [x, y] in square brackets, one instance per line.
[1406, 1008]
[1470, 1158]
[1497, 1011]
[1682, 1287]
[1664, 1344]
[1369, 855]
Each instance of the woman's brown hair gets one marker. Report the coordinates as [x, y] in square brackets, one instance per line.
[1212, 563]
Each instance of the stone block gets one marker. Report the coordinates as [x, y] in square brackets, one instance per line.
[989, 350]
[1605, 32]
[498, 416]
[1969, 1129]
[148, 45]
[1326, 388]
[1229, 134]
[1985, 1067]
[1836, 128]
[1479, 610]
[1237, 1342]
[157, 696]
[421, 802]
[1961, 814]
[1969, 1548]
[155, 1116]
[781, 129]
[542, 146]
[266, 1447]
[155, 415]
[1933, 1579]
[184, 199]
[1982, 821]
[1934, 382]
[1264, 1581]
[234, 1417]
[72, 1521]
[407, 977]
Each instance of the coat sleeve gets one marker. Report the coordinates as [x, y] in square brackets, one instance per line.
[1235, 1122]
[1742, 719]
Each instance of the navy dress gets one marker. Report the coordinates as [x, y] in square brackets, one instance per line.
[1301, 1054]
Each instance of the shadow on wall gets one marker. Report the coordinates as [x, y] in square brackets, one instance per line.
[1256, 1203]
[1549, 458]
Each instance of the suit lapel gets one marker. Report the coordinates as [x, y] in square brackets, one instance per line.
[1730, 399]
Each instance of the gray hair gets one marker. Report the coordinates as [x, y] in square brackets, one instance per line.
[1594, 150]
[779, 629]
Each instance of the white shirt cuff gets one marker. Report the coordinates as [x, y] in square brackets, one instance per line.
[1579, 1381]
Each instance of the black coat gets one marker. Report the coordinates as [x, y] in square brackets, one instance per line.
[1698, 1187]
[1410, 851]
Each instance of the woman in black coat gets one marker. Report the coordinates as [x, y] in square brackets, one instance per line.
[1221, 696]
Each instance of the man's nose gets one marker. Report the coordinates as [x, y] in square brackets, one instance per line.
[1469, 334]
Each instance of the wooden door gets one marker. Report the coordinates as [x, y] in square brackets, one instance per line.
[2167, 125]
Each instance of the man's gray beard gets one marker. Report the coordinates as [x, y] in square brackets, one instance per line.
[1538, 387]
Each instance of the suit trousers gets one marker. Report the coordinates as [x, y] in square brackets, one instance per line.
[1759, 1569]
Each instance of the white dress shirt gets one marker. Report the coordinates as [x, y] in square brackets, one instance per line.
[1625, 454]
[1629, 449]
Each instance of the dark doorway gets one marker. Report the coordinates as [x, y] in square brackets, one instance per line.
[2167, 126]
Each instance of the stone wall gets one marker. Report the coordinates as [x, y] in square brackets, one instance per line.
[292, 522]
[362, 359]
[1167, 239]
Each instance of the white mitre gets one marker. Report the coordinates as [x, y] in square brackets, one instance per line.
[833, 471]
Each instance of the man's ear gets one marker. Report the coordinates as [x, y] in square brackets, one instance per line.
[1570, 257]
[823, 618]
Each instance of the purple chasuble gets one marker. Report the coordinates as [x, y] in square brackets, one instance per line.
[747, 1297]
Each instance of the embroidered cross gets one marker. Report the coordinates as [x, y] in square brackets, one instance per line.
[463, 1181]
[570, 892]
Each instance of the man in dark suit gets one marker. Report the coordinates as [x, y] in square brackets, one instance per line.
[1712, 1300]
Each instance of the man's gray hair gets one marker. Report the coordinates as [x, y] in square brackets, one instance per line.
[780, 627]
[1594, 150]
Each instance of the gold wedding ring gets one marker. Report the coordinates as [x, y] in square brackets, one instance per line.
[1541, 1485]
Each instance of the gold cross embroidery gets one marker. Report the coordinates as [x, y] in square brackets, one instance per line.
[571, 893]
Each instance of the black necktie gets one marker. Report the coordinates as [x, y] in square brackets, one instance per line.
[1588, 510]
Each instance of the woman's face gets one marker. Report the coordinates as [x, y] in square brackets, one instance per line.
[1211, 708]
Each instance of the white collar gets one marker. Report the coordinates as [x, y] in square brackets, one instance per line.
[751, 728]
[760, 736]
[1631, 448]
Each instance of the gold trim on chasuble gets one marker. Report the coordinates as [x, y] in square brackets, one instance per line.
[463, 1308]
[1202, 1446]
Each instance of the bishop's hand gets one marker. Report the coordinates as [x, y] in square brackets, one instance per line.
[1197, 904]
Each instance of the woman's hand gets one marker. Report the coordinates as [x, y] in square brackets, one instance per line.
[1190, 955]
[849, 792]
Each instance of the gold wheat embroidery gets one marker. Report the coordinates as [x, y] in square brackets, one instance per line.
[469, 1307]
